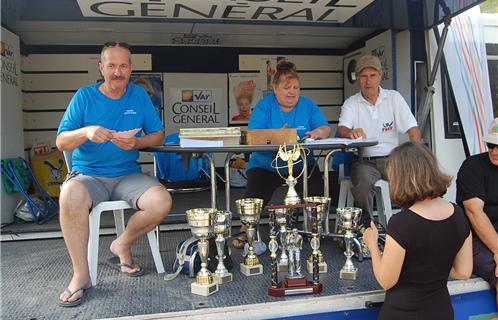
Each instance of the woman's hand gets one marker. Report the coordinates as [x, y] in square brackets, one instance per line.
[371, 235]
[319, 133]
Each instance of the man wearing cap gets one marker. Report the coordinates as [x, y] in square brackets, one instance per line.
[477, 191]
[373, 113]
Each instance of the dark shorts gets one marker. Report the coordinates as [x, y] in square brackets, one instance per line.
[484, 263]
[128, 188]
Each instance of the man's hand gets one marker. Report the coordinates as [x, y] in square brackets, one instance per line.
[98, 134]
[125, 143]
[357, 133]
[370, 236]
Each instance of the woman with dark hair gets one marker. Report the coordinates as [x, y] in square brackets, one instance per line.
[286, 108]
[426, 242]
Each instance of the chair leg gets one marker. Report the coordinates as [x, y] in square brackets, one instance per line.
[384, 208]
[119, 221]
[93, 244]
[158, 261]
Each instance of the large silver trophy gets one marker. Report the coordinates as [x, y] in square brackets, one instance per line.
[222, 227]
[291, 156]
[281, 218]
[250, 211]
[348, 224]
[322, 220]
[201, 223]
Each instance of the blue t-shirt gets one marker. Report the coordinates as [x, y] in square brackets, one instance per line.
[305, 116]
[89, 107]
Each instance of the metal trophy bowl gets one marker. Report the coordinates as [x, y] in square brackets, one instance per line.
[222, 227]
[348, 223]
[291, 156]
[322, 206]
[201, 222]
[250, 211]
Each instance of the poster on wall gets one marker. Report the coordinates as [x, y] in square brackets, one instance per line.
[267, 69]
[244, 93]
[195, 100]
[153, 84]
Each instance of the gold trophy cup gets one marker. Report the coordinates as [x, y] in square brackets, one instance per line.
[291, 156]
[322, 217]
[201, 223]
[222, 226]
[348, 223]
[250, 212]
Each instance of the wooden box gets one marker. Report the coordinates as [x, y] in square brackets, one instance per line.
[270, 136]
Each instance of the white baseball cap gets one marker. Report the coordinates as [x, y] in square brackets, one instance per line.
[492, 136]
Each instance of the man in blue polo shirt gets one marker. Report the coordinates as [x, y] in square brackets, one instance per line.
[96, 128]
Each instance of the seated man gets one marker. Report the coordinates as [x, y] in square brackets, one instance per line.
[477, 191]
[379, 114]
[105, 167]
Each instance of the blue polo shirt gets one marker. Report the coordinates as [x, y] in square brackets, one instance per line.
[89, 107]
[305, 116]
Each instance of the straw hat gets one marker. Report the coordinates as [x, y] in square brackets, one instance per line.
[492, 136]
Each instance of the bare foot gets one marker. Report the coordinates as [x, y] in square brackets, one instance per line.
[75, 286]
[124, 254]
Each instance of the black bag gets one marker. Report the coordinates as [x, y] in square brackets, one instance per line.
[188, 260]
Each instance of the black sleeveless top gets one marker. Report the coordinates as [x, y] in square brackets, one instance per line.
[431, 247]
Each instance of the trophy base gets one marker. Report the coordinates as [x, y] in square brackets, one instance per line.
[292, 287]
[322, 267]
[203, 289]
[282, 267]
[222, 279]
[347, 275]
[251, 270]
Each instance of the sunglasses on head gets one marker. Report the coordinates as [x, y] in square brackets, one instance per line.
[111, 44]
[491, 146]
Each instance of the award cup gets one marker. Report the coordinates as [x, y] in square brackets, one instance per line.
[282, 220]
[318, 216]
[348, 223]
[201, 223]
[291, 156]
[250, 212]
[222, 226]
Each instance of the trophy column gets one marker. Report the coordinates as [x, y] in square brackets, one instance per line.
[250, 212]
[201, 223]
[222, 225]
[318, 216]
[348, 223]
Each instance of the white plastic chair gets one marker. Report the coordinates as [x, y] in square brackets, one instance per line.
[117, 208]
[382, 198]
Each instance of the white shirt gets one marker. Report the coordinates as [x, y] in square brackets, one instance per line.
[383, 121]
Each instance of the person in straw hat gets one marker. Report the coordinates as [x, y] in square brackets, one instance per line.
[477, 191]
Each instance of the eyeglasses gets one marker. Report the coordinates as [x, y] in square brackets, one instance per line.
[111, 44]
[491, 146]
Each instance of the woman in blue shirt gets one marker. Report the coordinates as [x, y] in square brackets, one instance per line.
[286, 108]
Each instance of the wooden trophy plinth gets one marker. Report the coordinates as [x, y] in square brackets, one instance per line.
[295, 286]
[222, 279]
[203, 289]
[251, 270]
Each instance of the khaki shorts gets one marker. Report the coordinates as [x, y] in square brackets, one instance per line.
[128, 188]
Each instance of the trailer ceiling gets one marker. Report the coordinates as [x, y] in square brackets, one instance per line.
[330, 24]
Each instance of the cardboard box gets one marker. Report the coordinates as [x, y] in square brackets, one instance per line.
[270, 136]
[228, 136]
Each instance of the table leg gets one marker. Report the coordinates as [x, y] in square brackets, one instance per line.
[213, 179]
[227, 180]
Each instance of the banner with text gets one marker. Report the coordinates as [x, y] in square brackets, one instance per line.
[195, 101]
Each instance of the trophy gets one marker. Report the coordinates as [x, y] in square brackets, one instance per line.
[294, 282]
[318, 216]
[348, 223]
[250, 211]
[291, 156]
[201, 223]
[222, 227]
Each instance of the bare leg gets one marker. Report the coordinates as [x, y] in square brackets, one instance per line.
[75, 204]
[155, 206]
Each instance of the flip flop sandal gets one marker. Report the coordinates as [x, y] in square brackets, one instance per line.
[75, 303]
[239, 242]
[116, 264]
